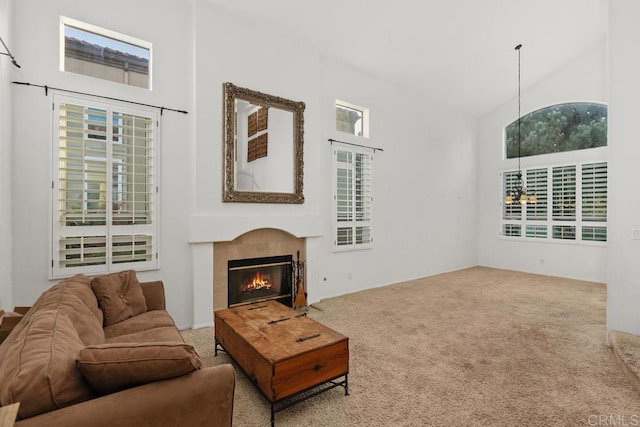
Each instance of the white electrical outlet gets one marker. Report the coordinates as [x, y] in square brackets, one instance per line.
[635, 234]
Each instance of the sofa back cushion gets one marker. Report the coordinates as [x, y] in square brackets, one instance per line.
[80, 286]
[39, 368]
[119, 296]
[113, 367]
[65, 297]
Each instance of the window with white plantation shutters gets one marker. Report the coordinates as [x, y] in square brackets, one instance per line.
[578, 202]
[570, 197]
[104, 187]
[353, 199]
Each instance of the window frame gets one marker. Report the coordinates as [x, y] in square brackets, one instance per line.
[354, 223]
[111, 232]
[365, 118]
[104, 32]
[578, 223]
[505, 149]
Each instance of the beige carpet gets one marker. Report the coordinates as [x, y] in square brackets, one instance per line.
[626, 348]
[477, 347]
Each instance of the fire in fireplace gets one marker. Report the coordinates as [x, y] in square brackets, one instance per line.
[260, 279]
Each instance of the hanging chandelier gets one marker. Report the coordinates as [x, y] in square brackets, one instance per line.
[518, 193]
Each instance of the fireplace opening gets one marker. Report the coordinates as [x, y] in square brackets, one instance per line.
[260, 279]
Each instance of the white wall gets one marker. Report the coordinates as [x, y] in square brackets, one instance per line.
[6, 70]
[434, 187]
[419, 230]
[36, 43]
[424, 184]
[623, 287]
[582, 79]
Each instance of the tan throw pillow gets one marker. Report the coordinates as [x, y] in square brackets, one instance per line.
[119, 296]
[117, 366]
[39, 369]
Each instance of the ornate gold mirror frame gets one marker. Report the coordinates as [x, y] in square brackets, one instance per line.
[232, 191]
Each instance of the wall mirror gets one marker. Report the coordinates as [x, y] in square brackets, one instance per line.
[263, 147]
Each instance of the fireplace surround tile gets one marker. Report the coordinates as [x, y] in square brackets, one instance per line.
[253, 244]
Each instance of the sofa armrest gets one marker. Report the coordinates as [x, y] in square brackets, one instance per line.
[154, 294]
[201, 398]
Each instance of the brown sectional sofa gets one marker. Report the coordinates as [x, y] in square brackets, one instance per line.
[105, 352]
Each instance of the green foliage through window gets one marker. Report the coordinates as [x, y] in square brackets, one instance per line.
[561, 127]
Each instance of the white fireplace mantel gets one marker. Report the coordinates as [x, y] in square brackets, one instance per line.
[205, 230]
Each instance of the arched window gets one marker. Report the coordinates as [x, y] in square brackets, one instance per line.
[571, 194]
[558, 128]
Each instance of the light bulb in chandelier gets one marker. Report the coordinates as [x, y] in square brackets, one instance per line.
[519, 193]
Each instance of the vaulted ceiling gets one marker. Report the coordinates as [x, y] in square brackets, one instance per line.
[456, 51]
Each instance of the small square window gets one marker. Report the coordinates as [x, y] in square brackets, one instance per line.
[352, 119]
[104, 54]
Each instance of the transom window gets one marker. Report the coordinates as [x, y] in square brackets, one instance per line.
[558, 128]
[352, 119]
[105, 54]
[104, 211]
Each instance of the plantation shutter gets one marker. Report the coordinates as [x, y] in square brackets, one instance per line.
[537, 184]
[353, 198]
[511, 211]
[564, 193]
[578, 209]
[104, 188]
[564, 201]
[537, 212]
[594, 201]
[594, 192]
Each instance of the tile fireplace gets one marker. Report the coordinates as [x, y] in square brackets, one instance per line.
[255, 244]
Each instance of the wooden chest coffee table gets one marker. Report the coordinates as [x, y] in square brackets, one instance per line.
[288, 356]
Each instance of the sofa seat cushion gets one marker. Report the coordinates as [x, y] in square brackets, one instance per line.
[65, 298]
[158, 335]
[39, 369]
[119, 296]
[141, 322]
[112, 367]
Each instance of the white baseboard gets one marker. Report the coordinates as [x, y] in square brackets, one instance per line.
[198, 326]
[203, 325]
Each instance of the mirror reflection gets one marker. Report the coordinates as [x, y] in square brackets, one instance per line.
[264, 144]
[263, 147]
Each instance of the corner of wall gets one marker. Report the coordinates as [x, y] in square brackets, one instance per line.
[6, 290]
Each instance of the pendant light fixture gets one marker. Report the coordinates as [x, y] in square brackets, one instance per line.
[518, 193]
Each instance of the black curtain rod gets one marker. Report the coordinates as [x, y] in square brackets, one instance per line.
[356, 145]
[46, 93]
